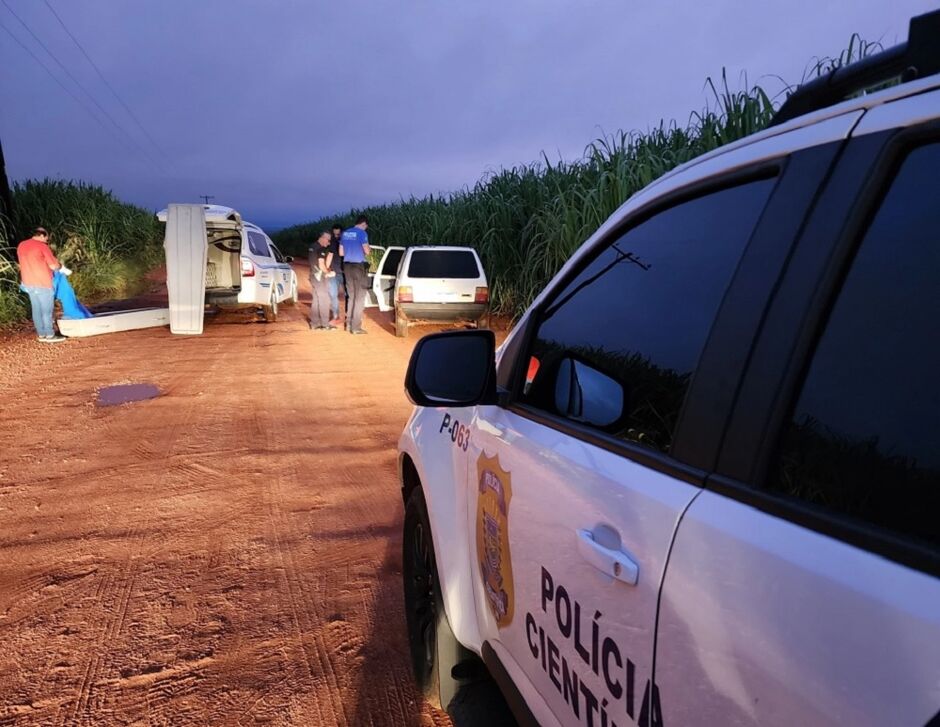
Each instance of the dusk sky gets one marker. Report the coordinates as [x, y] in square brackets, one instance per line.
[291, 110]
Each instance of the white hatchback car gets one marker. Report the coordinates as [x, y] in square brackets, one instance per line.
[431, 283]
[699, 484]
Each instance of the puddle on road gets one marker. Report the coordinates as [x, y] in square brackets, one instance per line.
[125, 393]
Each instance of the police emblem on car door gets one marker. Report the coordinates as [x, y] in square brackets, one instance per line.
[493, 498]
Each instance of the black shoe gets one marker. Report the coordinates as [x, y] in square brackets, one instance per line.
[359, 332]
[329, 328]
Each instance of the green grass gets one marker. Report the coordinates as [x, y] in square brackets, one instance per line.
[527, 220]
[110, 245]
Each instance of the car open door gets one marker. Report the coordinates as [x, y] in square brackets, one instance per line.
[382, 279]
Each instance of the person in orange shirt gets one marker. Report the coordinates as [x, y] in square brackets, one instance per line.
[36, 265]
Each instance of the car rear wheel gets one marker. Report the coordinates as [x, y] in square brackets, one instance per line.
[481, 322]
[434, 649]
[401, 324]
[270, 310]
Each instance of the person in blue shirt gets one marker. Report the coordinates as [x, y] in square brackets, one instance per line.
[354, 249]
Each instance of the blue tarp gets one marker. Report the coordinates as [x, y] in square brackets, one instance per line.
[71, 306]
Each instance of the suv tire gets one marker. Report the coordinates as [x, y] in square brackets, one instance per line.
[434, 649]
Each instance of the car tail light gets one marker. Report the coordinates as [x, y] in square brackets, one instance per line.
[248, 268]
[405, 295]
[482, 295]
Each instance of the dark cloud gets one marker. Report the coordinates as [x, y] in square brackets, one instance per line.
[289, 110]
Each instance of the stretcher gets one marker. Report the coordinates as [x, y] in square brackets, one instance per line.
[114, 321]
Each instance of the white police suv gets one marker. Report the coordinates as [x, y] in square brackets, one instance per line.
[699, 484]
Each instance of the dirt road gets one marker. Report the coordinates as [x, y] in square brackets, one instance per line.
[225, 554]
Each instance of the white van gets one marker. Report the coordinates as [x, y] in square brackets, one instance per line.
[431, 283]
[243, 267]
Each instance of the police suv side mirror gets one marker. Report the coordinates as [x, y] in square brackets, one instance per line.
[288, 258]
[453, 369]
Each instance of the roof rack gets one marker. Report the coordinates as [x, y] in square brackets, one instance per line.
[918, 57]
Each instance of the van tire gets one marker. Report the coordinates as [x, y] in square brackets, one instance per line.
[434, 649]
[270, 310]
[401, 324]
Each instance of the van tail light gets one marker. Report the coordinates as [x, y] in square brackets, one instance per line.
[405, 295]
[482, 295]
[248, 268]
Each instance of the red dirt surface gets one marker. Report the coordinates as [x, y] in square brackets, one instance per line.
[228, 553]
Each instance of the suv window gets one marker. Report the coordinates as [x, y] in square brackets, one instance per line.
[443, 264]
[617, 348]
[390, 266]
[863, 436]
[277, 253]
[257, 244]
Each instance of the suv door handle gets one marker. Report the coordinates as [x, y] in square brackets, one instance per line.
[614, 563]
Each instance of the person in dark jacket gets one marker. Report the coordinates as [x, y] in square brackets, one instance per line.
[337, 282]
[321, 258]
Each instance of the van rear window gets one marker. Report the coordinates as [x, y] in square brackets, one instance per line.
[443, 264]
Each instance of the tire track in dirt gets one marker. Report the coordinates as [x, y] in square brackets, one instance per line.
[359, 416]
[112, 628]
[317, 669]
[144, 455]
[122, 582]
[192, 471]
[67, 582]
[307, 619]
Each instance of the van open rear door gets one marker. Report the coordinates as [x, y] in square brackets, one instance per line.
[186, 249]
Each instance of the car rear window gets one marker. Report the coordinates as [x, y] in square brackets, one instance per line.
[443, 264]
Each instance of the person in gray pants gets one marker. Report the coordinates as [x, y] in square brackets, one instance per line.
[354, 249]
[321, 258]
